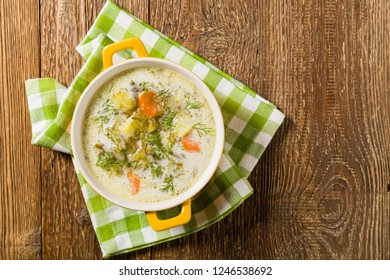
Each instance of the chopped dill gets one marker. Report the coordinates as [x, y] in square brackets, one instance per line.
[177, 167]
[145, 85]
[101, 120]
[154, 140]
[157, 171]
[167, 119]
[164, 93]
[110, 89]
[202, 129]
[108, 161]
[168, 184]
[193, 105]
[103, 115]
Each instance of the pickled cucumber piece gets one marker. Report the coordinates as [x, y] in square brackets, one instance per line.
[151, 125]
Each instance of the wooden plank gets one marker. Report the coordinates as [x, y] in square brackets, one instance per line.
[323, 180]
[329, 186]
[20, 183]
[67, 229]
[321, 185]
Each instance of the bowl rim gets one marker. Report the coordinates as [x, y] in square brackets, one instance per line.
[79, 116]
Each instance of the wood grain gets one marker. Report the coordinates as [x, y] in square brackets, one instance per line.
[20, 176]
[321, 187]
[66, 231]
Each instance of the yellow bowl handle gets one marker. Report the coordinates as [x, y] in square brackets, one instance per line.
[111, 49]
[183, 218]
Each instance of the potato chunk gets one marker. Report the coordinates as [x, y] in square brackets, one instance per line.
[129, 127]
[124, 101]
[183, 126]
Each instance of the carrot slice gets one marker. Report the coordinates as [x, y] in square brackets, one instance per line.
[135, 181]
[190, 145]
[147, 102]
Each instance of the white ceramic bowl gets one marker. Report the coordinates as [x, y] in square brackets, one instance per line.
[77, 134]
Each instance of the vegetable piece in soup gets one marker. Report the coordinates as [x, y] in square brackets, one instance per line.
[149, 134]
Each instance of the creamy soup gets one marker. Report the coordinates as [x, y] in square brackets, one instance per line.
[149, 134]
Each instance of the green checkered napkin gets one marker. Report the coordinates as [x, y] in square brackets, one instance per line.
[250, 123]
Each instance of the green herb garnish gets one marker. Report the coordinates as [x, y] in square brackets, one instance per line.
[164, 93]
[167, 119]
[157, 171]
[103, 115]
[193, 105]
[110, 162]
[101, 120]
[154, 140]
[168, 184]
[145, 85]
[202, 129]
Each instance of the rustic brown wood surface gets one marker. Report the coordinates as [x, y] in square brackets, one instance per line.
[322, 188]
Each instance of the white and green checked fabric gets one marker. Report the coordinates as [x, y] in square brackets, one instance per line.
[250, 123]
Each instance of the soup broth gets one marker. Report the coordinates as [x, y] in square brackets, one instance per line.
[149, 134]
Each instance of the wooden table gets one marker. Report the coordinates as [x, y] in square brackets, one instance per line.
[322, 186]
